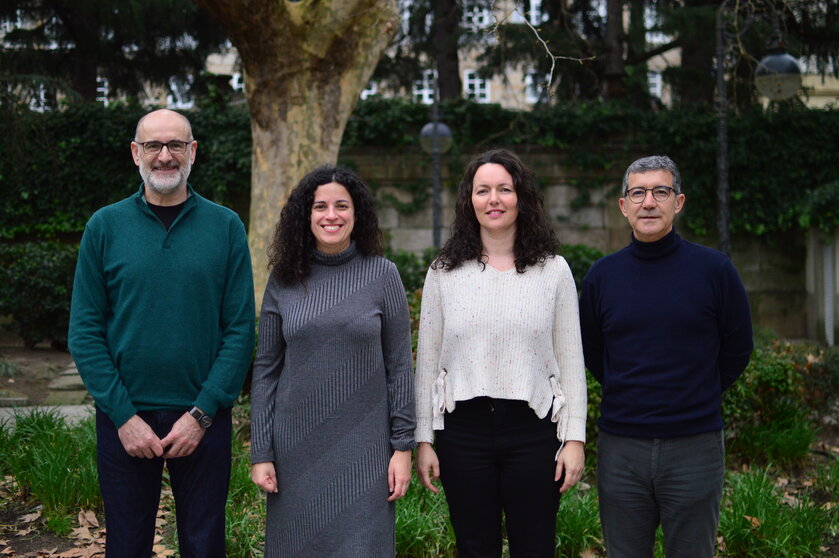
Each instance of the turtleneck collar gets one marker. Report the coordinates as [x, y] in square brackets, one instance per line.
[336, 259]
[656, 249]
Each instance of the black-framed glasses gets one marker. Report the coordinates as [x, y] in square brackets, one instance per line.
[155, 147]
[660, 193]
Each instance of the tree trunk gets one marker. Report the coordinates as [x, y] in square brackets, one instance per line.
[444, 35]
[614, 69]
[305, 65]
[695, 84]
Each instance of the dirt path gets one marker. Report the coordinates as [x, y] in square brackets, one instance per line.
[36, 369]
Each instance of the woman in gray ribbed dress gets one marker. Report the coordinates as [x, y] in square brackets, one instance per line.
[332, 394]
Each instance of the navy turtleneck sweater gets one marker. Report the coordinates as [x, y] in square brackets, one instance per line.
[666, 328]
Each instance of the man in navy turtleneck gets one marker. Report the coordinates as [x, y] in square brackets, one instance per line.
[666, 328]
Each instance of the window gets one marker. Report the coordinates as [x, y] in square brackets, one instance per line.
[371, 90]
[654, 83]
[179, 97]
[102, 90]
[535, 86]
[474, 87]
[38, 100]
[530, 9]
[424, 87]
[475, 17]
[237, 82]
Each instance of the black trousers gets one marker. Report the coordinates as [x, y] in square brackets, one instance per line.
[497, 456]
[131, 489]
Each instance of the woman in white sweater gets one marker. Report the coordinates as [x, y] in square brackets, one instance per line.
[500, 377]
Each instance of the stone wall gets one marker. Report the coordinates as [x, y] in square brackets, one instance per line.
[774, 271]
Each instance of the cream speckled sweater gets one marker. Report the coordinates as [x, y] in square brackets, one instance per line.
[505, 335]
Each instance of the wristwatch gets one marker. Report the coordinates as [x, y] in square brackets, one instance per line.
[204, 420]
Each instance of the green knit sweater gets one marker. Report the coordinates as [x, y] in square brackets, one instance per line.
[162, 320]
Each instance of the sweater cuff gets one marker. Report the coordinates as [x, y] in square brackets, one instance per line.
[120, 416]
[576, 430]
[262, 456]
[403, 445]
[424, 432]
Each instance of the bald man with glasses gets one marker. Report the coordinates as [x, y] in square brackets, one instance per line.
[162, 332]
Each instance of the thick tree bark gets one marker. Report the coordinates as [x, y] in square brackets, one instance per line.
[444, 35]
[614, 72]
[305, 65]
[696, 81]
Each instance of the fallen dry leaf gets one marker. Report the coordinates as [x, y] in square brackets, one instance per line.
[24, 532]
[161, 550]
[30, 517]
[87, 552]
[82, 533]
[754, 520]
[88, 519]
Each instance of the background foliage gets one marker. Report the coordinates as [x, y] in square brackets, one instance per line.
[36, 281]
[57, 168]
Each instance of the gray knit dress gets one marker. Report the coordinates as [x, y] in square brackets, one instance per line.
[331, 398]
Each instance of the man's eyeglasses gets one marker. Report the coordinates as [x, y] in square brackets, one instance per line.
[660, 193]
[155, 147]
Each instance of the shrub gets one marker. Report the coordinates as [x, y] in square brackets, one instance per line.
[412, 267]
[580, 258]
[765, 411]
[53, 463]
[819, 370]
[757, 521]
[578, 524]
[423, 529]
[245, 510]
[36, 282]
[8, 369]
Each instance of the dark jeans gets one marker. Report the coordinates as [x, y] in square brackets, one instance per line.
[497, 455]
[677, 482]
[131, 489]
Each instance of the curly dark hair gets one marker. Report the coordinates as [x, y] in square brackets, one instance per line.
[291, 251]
[535, 238]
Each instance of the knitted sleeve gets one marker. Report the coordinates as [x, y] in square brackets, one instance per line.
[396, 348]
[270, 357]
[87, 337]
[569, 353]
[428, 353]
[230, 366]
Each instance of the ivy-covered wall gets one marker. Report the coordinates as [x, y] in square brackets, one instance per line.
[56, 169]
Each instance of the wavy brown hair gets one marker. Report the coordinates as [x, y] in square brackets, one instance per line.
[535, 238]
[292, 249]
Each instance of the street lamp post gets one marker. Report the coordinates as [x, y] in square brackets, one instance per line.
[435, 139]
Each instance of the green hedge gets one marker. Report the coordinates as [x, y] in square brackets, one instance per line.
[57, 168]
[36, 281]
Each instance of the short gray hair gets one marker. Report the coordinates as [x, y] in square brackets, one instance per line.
[653, 163]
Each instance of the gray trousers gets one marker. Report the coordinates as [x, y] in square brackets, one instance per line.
[676, 482]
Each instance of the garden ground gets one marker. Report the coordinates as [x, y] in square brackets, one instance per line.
[23, 533]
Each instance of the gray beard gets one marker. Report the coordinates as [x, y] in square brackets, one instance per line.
[166, 188]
